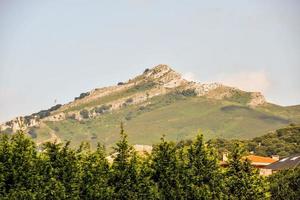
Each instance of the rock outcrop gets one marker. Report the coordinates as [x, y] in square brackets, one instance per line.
[257, 99]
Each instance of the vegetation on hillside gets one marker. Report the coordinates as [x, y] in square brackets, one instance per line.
[240, 97]
[285, 184]
[140, 87]
[282, 142]
[59, 172]
[82, 95]
[178, 115]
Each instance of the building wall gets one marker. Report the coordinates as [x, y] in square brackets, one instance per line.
[265, 172]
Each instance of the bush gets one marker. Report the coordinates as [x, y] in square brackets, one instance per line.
[102, 109]
[42, 114]
[82, 95]
[120, 83]
[285, 184]
[128, 101]
[27, 119]
[56, 107]
[9, 123]
[189, 93]
[84, 113]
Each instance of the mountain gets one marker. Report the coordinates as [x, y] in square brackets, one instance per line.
[159, 101]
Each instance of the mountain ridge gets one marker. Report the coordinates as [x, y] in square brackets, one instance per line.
[153, 89]
[162, 75]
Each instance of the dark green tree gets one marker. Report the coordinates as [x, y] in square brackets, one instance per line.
[166, 173]
[124, 178]
[285, 184]
[95, 175]
[242, 180]
[18, 157]
[205, 179]
[146, 186]
[62, 165]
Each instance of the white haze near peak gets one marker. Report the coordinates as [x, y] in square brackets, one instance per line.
[190, 76]
[248, 81]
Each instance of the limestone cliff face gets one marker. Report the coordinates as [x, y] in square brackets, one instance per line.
[153, 82]
[19, 123]
[165, 76]
[204, 89]
[257, 99]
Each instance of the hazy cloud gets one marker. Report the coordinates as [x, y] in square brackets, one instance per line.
[248, 81]
[189, 76]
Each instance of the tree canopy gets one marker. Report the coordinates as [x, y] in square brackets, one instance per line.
[171, 171]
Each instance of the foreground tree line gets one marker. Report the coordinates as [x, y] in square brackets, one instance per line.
[170, 172]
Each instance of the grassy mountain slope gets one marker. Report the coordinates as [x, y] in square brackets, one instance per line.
[176, 116]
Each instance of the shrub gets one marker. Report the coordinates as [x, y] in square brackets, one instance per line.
[27, 119]
[120, 83]
[43, 114]
[84, 113]
[285, 184]
[189, 93]
[128, 101]
[102, 108]
[57, 106]
[82, 95]
[9, 123]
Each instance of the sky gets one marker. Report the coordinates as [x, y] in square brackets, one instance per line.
[53, 50]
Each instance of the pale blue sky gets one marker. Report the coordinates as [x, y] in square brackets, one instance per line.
[57, 49]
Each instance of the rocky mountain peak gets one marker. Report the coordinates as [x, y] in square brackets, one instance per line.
[161, 67]
[156, 81]
[165, 76]
[158, 71]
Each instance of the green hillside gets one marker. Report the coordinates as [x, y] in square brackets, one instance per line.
[174, 115]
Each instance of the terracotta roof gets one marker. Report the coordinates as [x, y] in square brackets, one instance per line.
[260, 159]
[254, 160]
